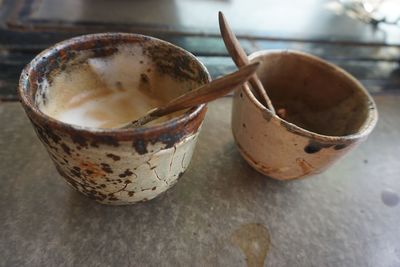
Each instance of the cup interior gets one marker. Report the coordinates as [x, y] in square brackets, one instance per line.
[316, 96]
[110, 66]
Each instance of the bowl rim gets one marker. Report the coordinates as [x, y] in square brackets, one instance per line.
[29, 105]
[367, 126]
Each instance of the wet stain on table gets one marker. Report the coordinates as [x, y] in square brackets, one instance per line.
[390, 198]
[254, 241]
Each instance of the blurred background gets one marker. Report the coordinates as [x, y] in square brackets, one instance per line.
[362, 36]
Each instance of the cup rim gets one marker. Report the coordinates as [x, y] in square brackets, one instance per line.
[28, 101]
[368, 124]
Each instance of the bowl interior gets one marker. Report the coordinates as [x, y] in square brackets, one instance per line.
[315, 95]
[127, 75]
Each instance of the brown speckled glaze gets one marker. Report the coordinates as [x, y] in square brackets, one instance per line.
[116, 166]
[328, 114]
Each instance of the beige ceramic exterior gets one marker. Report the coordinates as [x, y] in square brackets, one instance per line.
[117, 166]
[119, 174]
[282, 150]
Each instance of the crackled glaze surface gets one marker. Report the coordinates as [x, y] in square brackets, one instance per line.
[316, 96]
[116, 173]
[117, 166]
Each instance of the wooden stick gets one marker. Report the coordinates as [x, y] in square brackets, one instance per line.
[203, 94]
[240, 58]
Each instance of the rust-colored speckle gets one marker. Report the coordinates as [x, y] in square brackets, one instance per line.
[126, 173]
[340, 146]
[92, 169]
[66, 148]
[305, 166]
[114, 157]
[269, 170]
[106, 167]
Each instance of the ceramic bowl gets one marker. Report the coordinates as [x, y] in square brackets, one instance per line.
[326, 114]
[117, 166]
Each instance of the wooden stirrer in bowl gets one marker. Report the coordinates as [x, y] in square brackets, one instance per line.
[203, 94]
[240, 58]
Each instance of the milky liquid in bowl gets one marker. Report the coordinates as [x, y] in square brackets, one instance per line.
[97, 80]
[106, 92]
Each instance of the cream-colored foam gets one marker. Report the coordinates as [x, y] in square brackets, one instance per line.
[104, 92]
[105, 108]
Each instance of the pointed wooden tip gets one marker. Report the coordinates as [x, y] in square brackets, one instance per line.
[221, 20]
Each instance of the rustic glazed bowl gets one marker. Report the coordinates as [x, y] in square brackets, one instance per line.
[327, 113]
[117, 166]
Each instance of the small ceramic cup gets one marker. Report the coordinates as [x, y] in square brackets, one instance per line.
[117, 166]
[326, 113]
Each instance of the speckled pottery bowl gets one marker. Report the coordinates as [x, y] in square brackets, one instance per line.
[326, 111]
[117, 166]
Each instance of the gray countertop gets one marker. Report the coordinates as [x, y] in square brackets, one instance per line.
[221, 213]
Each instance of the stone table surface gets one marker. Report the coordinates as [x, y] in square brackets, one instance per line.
[221, 213]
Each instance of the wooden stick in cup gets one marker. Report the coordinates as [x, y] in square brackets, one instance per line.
[203, 94]
[240, 58]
